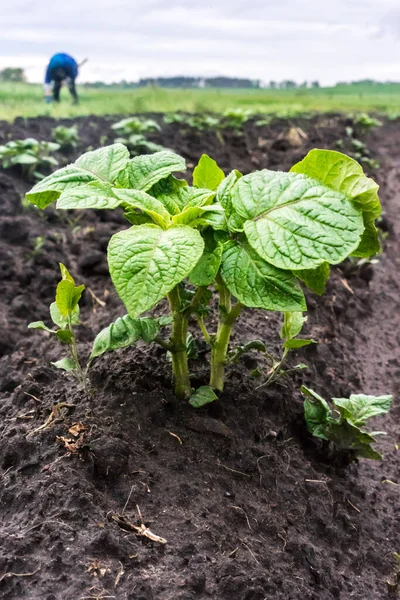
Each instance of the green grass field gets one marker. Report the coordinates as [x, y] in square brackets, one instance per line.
[25, 100]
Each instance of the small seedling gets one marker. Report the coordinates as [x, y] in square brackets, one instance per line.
[365, 121]
[343, 425]
[235, 118]
[66, 137]
[131, 131]
[64, 313]
[131, 125]
[30, 155]
[252, 238]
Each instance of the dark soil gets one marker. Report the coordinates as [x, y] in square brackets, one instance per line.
[251, 506]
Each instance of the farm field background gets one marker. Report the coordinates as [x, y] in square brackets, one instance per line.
[27, 100]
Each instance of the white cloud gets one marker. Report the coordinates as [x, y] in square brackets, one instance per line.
[265, 39]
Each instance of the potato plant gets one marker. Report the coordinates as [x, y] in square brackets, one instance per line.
[255, 239]
[30, 155]
[66, 137]
[343, 426]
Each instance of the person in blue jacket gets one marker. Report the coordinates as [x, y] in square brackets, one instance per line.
[62, 67]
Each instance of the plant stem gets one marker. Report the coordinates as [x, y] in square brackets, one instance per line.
[227, 317]
[204, 330]
[81, 374]
[178, 349]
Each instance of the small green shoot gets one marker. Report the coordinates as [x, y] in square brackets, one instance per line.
[365, 121]
[64, 313]
[343, 425]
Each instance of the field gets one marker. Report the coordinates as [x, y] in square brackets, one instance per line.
[27, 100]
[251, 505]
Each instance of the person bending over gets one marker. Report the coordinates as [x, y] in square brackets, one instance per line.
[62, 67]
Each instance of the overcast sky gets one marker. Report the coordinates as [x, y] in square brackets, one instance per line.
[329, 40]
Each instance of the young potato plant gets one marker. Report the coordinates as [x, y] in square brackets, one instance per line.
[64, 313]
[343, 426]
[30, 155]
[131, 131]
[66, 137]
[252, 238]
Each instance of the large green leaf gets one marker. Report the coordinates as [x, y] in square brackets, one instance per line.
[142, 172]
[343, 174]
[207, 173]
[360, 407]
[295, 222]
[146, 262]
[105, 163]
[126, 331]
[257, 283]
[97, 195]
[99, 166]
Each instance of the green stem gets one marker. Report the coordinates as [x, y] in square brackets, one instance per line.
[81, 374]
[204, 330]
[227, 317]
[178, 349]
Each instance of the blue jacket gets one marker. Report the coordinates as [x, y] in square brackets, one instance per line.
[61, 61]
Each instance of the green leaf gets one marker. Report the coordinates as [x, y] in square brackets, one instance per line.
[67, 364]
[258, 284]
[315, 279]
[40, 325]
[292, 324]
[293, 344]
[65, 336]
[146, 262]
[101, 165]
[224, 191]
[343, 174]
[97, 195]
[205, 271]
[136, 199]
[106, 163]
[202, 396]
[142, 172]
[295, 222]
[201, 215]
[317, 413]
[170, 191]
[67, 297]
[360, 407]
[207, 173]
[369, 244]
[176, 195]
[65, 274]
[60, 320]
[126, 331]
